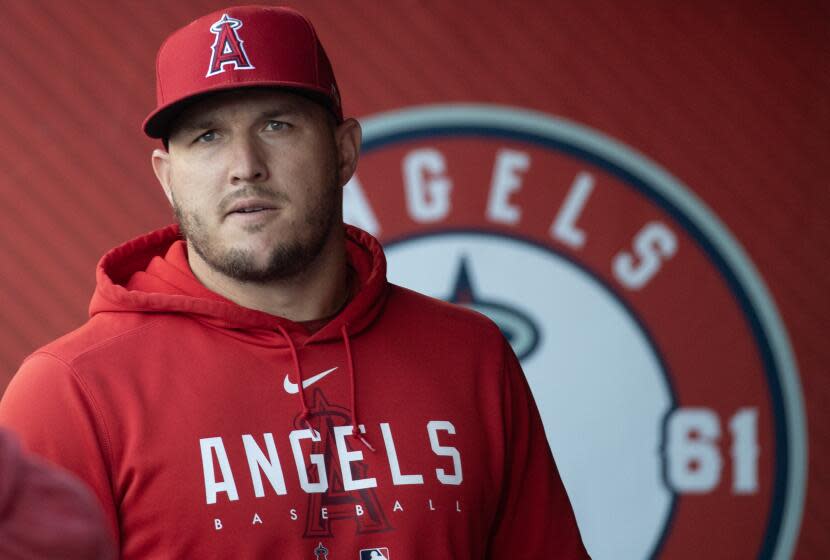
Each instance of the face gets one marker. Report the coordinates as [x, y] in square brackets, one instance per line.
[255, 180]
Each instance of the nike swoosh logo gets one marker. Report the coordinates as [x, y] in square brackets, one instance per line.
[293, 389]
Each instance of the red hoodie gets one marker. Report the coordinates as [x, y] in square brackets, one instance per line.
[209, 430]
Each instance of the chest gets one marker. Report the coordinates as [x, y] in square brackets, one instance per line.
[220, 444]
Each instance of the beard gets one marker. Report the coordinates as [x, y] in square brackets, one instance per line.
[287, 259]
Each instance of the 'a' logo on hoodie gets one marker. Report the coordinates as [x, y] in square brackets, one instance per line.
[339, 503]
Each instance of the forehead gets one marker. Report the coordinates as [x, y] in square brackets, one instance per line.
[245, 103]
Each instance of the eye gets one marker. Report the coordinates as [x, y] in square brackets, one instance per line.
[208, 136]
[275, 125]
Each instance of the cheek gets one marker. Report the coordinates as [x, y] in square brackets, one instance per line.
[191, 190]
[320, 177]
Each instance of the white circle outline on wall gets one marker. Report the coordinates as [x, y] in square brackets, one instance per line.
[380, 127]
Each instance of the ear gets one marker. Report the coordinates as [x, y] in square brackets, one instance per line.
[347, 135]
[162, 168]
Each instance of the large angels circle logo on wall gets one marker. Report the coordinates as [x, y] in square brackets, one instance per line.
[661, 368]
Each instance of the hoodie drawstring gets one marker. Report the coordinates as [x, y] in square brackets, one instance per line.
[350, 361]
[305, 414]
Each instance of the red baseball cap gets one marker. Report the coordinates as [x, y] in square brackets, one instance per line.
[238, 47]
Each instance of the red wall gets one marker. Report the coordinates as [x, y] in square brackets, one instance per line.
[730, 98]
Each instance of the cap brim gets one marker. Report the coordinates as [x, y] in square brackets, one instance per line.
[157, 124]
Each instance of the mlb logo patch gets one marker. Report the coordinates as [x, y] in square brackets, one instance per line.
[374, 554]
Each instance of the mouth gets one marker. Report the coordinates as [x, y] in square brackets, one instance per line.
[250, 207]
[250, 210]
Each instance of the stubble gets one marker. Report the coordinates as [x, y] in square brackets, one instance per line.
[288, 258]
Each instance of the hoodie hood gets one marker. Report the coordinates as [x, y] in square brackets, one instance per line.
[150, 274]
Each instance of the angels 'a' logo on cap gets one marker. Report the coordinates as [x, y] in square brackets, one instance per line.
[228, 47]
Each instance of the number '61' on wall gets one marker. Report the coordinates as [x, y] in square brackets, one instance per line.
[692, 455]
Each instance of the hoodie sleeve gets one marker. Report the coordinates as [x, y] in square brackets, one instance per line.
[535, 518]
[46, 513]
[50, 409]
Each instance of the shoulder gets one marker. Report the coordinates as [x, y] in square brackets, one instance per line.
[424, 312]
[104, 340]
[105, 333]
[69, 385]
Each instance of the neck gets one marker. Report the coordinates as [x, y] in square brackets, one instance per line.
[317, 291]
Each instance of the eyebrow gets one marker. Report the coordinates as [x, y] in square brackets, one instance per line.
[286, 107]
[206, 124]
[192, 126]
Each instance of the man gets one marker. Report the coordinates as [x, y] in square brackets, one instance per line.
[257, 389]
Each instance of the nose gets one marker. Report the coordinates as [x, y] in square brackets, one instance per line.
[248, 163]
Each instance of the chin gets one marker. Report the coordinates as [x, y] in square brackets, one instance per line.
[260, 245]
